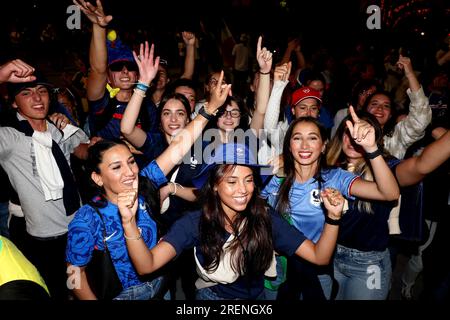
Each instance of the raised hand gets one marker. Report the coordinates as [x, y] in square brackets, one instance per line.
[127, 202]
[282, 72]
[404, 63]
[294, 44]
[188, 38]
[94, 13]
[16, 71]
[361, 132]
[218, 96]
[333, 201]
[148, 67]
[264, 57]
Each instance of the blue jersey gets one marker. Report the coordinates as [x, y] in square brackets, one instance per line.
[185, 234]
[86, 234]
[106, 114]
[304, 199]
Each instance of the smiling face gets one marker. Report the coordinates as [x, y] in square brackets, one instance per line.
[33, 103]
[230, 118]
[306, 108]
[123, 79]
[173, 117]
[306, 144]
[380, 106]
[118, 172]
[235, 189]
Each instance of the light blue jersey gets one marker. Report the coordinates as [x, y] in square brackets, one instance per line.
[304, 199]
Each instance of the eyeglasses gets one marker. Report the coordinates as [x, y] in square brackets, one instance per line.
[232, 113]
[118, 66]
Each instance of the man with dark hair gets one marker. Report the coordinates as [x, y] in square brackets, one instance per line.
[35, 153]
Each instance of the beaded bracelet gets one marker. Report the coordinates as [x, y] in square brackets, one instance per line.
[134, 238]
[139, 92]
[142, 86]
[203, 112]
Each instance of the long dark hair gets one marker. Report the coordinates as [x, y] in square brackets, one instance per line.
[175, 96]
[390, 124]
[283, 205]
[98, 199]
[337, 157]
[252, 249]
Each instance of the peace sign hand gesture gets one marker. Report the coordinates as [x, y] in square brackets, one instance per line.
[148, 67]
[94, 13]
[362, 132]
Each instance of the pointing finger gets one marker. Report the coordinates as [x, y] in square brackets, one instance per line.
[353, 114]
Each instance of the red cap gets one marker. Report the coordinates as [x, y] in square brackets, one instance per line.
[305, 93]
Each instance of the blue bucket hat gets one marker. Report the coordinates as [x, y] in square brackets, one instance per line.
[118, 52]
[228, 153]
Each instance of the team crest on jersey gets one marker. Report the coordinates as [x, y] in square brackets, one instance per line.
[314, 197]
[194, 162]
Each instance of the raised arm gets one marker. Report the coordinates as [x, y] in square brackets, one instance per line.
[16, 71]
[148, 67]
[412, 170]
[184, 140]
[98, 55]
[189, 61]
[385, 186]
[404, 63]
[264, 58]
[294, 46]
[412, 128]
[281, 76]
[144, 260]
[321, 252]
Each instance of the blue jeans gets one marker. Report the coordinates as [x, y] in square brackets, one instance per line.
[143, 291]
[362, 275]
[281, 277]
[325, 282]
[4, 215]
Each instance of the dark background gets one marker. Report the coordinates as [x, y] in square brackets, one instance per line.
[336, 25]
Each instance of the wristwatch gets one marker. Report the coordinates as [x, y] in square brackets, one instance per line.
[203, 112]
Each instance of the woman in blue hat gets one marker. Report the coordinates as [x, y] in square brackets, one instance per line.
[235, 234]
